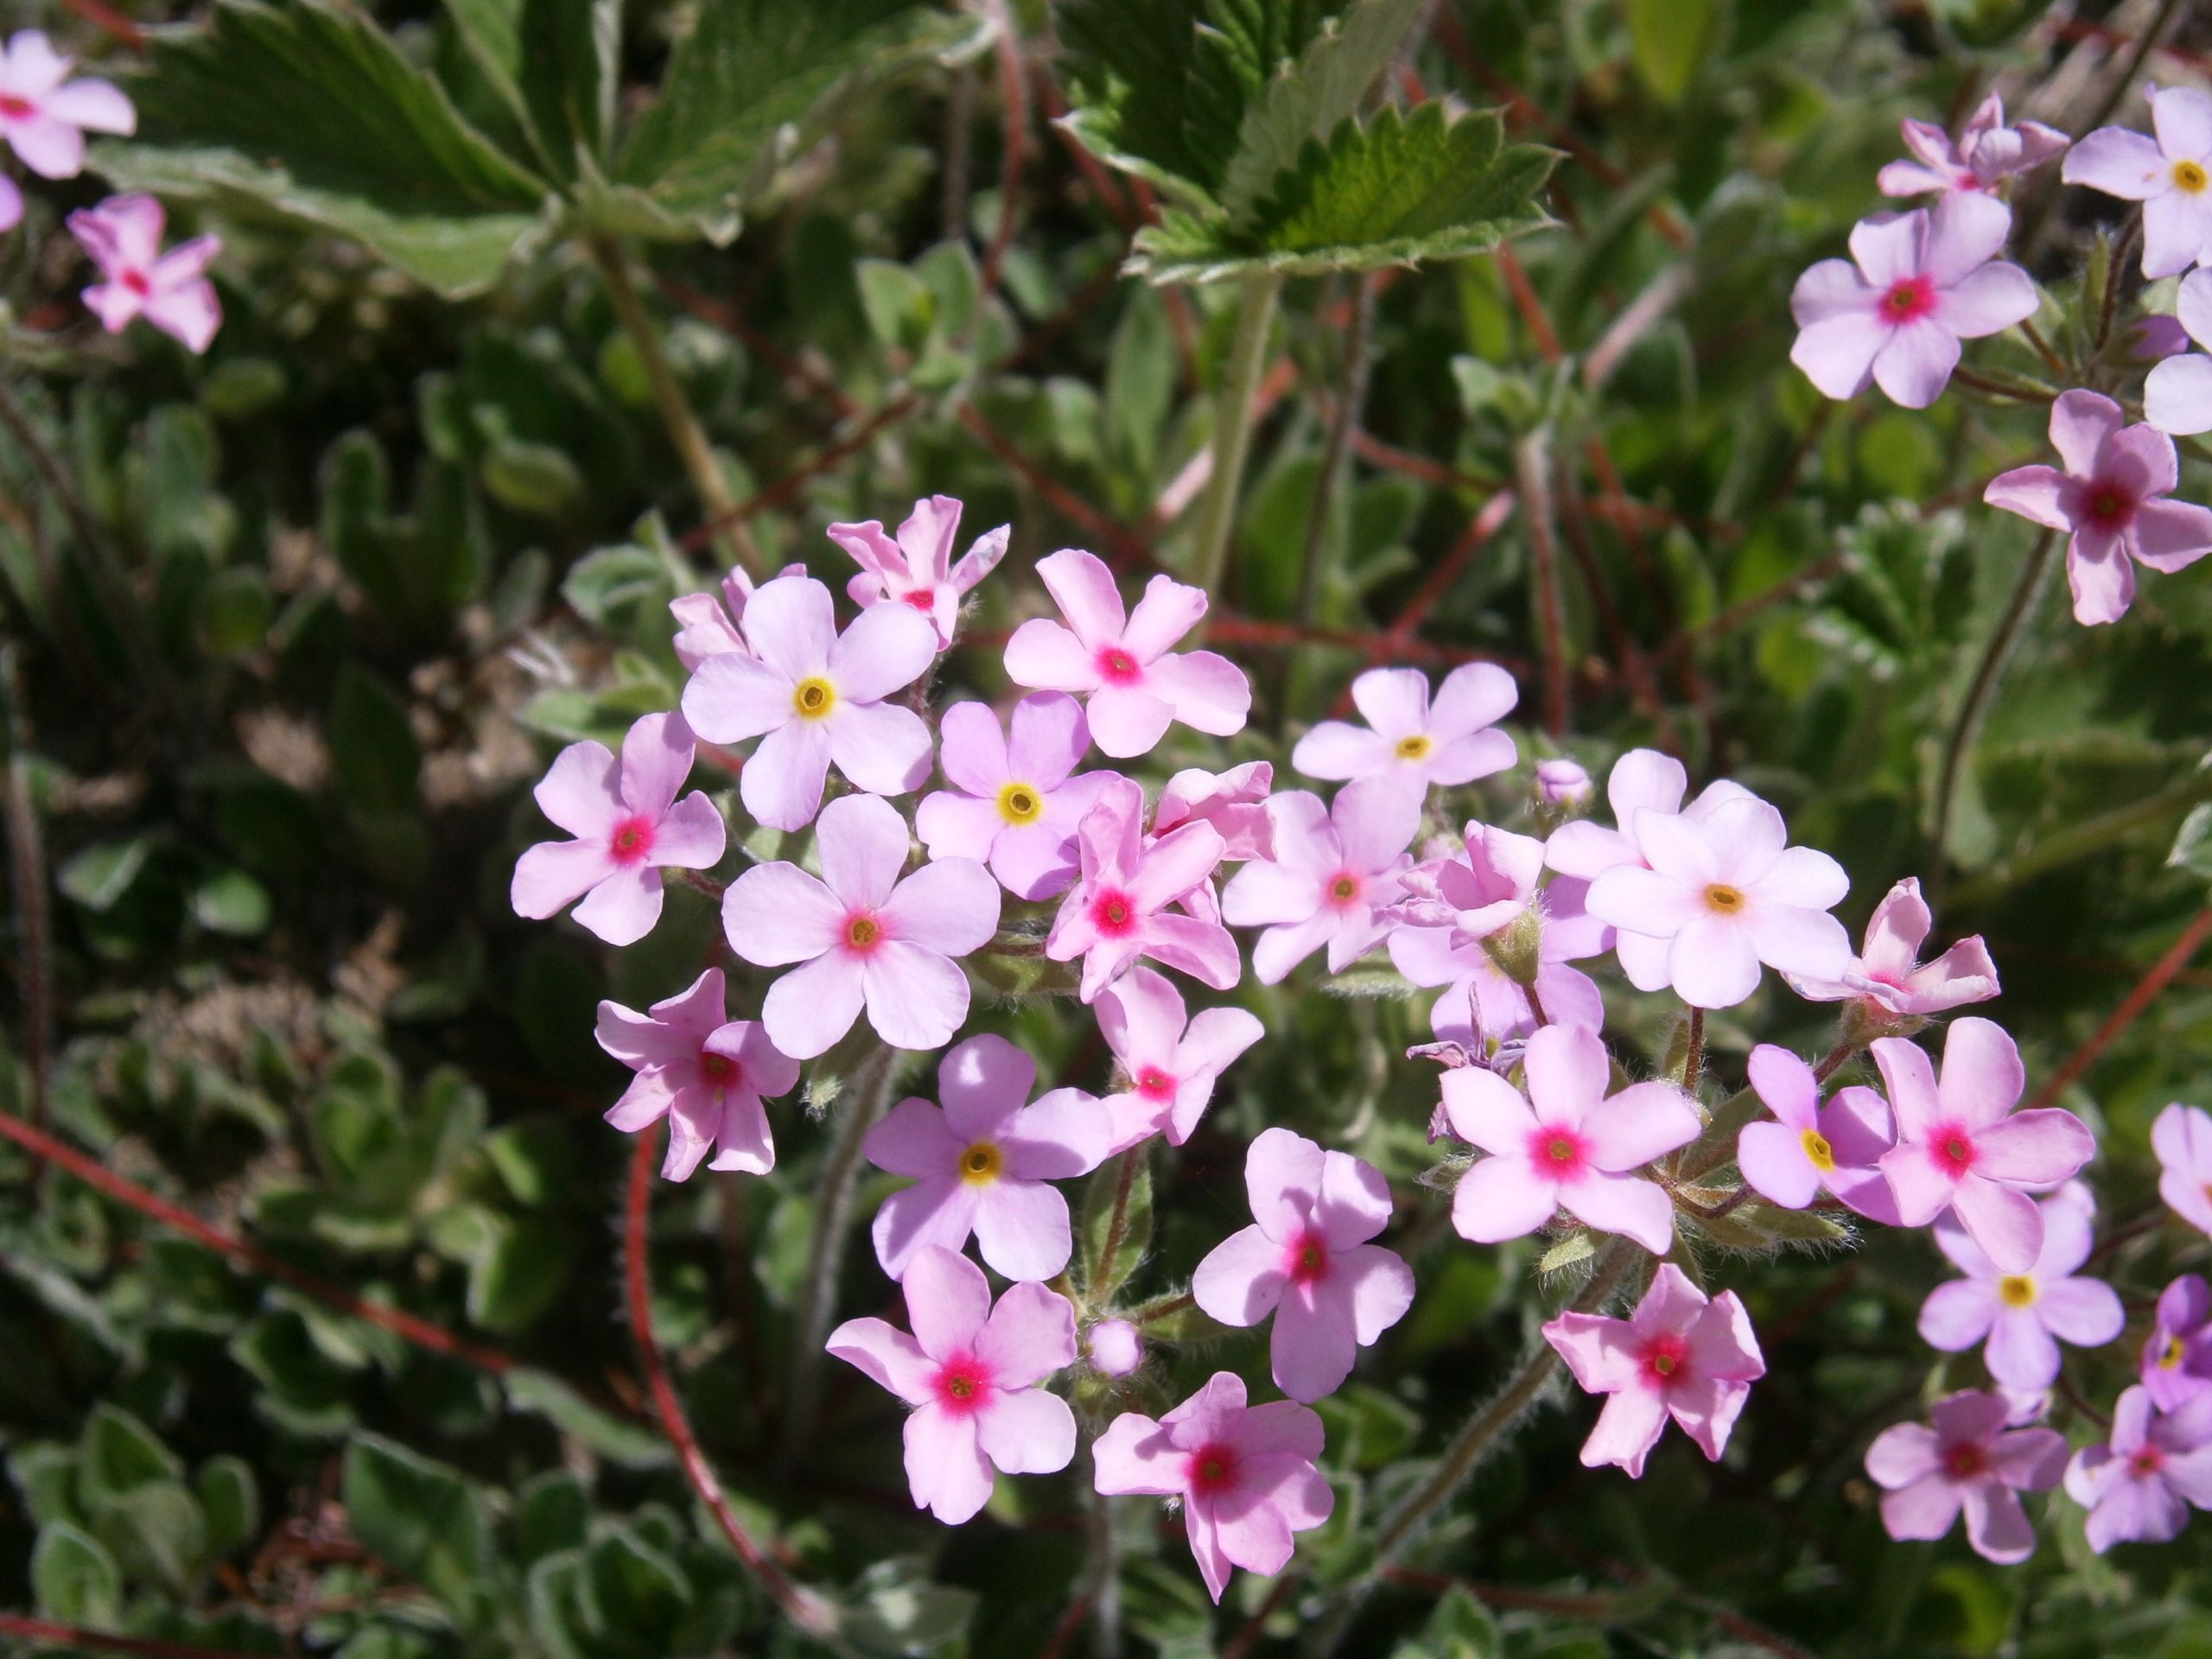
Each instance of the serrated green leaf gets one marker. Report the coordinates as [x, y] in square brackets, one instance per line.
[311, 111]
[1129, 66]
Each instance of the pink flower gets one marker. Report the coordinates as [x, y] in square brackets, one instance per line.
[1678, 1356]
[1562, 782]
[1405, 738]
[1135, 687]
[2172, 176]
[984, 1164]
[2178, 393]
[1306, 1260]
[2150, 339]
[867, 937]
[710, 625]
[1013, 804]
[1968, 1460]
[1958, 1148]
[1987, 153]
[1333, 871]
[1235, 801]
[1119, 907]
[2139, 1485]
[1171, 1063]
[1114, 1347]
[1810, 1147]
[11, 204]
[1568, 1143]
[1727, 894]
[2025, 1316]
[1888, 971]
[2182, 1136]
[1245, 1474]
[2176, 1364]
[170, 290]
[2110, 500]
[1476, 895]
[1914, 286]
[628, 827]
[975, 1374]
[44, 115]
[916, 569]
[702, 1071]
[812, 696]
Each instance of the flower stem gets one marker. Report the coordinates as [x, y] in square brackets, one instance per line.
[1117, 1223]
[1104, 1572]
[1693, 1053]
[2086, 838]
[1232, 428]
[1532, 474]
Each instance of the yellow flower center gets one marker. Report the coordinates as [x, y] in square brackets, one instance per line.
[814, 698]
[2190, 176]
[979, 1164]
[1724, 899]
[2174, 1353]
[2016, 1290]
[1817, 1149]
[1415, 747]
[862, 931]
[1663, 1364]
[1019, 804]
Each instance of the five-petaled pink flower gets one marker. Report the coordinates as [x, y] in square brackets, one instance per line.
[1119, 907]
[1727, 893]
[1986, 154]
[1307, 1260]
[1810, 1147]
[1013, 804]
[1235, 801]
[2170, 175]
[2110, 497]
[867, 937]
[1334, 872]
[2139, 1485]
[1968, 1459]
[2176, 1364]
[44, 115]
[1914, 286]
[1679, 1356]
[1171, 1061]
[813, 695]
[1960, 1146]
[1122, 663]
[628, 827]
[975, 1374]
[1406, 738]
[1568, 1143]
[2178, 393]
[1245, 1474]
[170, 290]
[2025, 1316]
[984, 1163]
[1888, 971]
[917, 570]
[702, 1071]
[2182, 1136]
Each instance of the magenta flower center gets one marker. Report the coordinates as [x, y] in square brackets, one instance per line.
[1666, 1360]
[2145, 1461]
[716, 1070]
[862, 931]
[1113, 912]
[1212, 1468]
[1557, 1152]
[1965, 1460]
[1308, 1260]
[1343, 888]
[1155, 1083]
[14, 108]
[1952, 1148]
[1118, 666]
[1908, 298]
[2108, 505]
[631, 840]
[964, 1385]
[136, 281]
[922, 599]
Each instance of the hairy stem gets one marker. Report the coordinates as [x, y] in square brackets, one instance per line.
[1532, 477]
[1103, 1571]
[1232, 428]
[1336, 456]
[1693, 1053]
[1117, 1224]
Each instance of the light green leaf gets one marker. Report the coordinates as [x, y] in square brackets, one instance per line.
[632, 1445]
[74, 1578]
[1670, 40]
[418, 1515]
[103, 873]
[311, 111]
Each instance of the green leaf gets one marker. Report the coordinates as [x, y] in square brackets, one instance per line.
[103, 873]
[232, 1503]
[74, 1578]
[373, 751]
[118, 1454]
[1459, 1628]
[1129, 65]
[157, 1532]
[311, 111]
[418, 1517]
[1577, 1246]
[233, 902]
[1104, 1275]
[519, 1276]
[620, 1440]
[568, 77]
[1670, 40]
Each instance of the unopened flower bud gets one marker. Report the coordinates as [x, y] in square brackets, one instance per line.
[1115, 1348]
[1561, 782]
[2155, 337]
[1517, 948]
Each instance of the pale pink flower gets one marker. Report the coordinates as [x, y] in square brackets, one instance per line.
[1727, 893]
[2177, 1365]
[1679, 1354]
[984, 1163]
[1122, 663]
[1568, 1143]
[1335, 870]
[2110, 497]
[1986, 154]
[917, 570]
[2139, 1486]
[2170, 175]
[1562, 782]
[2023, 1317]
[1114, 1347]
[11, 204]
[703, 1071]
[1967, 1460]
[2182, 1136]
[1405, 738]
[2154, 338]
[1235, 801]
[170, 290]
[813, 695]
[1245, 1474]
[1809, 1148]
[44, 115]
[1170, 1062]
[628, 827]
[1914, 286]
[1121, 907]
[1306, 1259]
[1960, 1146]
[867, 937]
[1888, 971]
[1016, 797]
[710, 625]
[2178, 393]
[975, 1374]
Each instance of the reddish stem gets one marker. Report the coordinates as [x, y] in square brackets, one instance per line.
[2161, 975]
[45, 1629]
[1015, 88]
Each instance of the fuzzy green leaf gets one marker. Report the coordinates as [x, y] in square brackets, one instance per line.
[561, 88]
